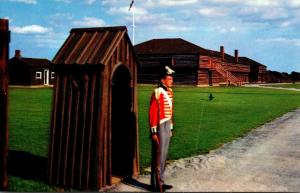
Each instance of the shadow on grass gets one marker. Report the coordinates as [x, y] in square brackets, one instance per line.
[27, 166]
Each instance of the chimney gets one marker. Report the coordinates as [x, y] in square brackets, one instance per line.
[222, 52]
[18, 53]
[236, 56]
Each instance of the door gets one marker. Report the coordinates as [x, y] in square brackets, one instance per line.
[254, 73]
[210, 82]
[46, 77]
[122, 134]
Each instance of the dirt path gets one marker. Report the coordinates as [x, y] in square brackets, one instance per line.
[271, 87]
[267, 159]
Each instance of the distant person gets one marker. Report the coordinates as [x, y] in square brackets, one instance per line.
[161, 127]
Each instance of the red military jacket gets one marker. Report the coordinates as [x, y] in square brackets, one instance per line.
[162, 101]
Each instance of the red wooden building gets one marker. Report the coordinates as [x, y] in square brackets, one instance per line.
[258, 71]
[154, 53]
[278, 77]
[196, 65]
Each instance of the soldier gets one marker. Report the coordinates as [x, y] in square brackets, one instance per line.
[161, 127]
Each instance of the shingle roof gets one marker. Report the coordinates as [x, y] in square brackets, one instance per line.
[168, 46]
[180, 46]
[249, 61]
[42, 62]
[176, 46]
[90, 45]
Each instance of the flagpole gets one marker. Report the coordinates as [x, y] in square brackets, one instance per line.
[133, 24]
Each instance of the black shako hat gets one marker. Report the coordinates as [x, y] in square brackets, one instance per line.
[166, 69]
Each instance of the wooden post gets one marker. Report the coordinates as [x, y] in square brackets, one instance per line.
[4, 50]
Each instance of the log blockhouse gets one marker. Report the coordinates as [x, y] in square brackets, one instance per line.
[154, 53]
[94, 128]
[195, 65]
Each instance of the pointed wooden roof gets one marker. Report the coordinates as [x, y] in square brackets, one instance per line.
[90, 46]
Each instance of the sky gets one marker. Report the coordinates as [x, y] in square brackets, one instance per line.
[267, 31]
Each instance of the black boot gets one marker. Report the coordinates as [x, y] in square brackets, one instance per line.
[167, 187]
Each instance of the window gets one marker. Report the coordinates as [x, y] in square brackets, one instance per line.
[38, 75]
[52, 75]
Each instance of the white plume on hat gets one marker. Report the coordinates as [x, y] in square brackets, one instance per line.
[169, 70]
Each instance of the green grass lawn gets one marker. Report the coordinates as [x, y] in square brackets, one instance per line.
[29, 118]
[200, 125]
[296, 85]
[29, 113]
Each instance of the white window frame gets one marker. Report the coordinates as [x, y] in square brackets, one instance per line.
[38, 75]
[46, 76]
[52, 75]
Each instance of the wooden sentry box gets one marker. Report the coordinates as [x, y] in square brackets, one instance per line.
[94, 127]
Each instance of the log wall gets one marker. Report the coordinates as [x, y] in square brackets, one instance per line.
[186, 66]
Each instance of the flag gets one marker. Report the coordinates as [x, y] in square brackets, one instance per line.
[131, 4]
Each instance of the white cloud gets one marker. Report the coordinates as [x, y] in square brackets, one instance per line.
[154, 19]
[64, 1]
[60, 20]
[227, 30]
[256, 10]
[227, 1]
[248, 11]
[271, 14]
[8, 18]
[161, 22]
[90, 1]
[89, 22]
[51, 40]
[291, 22]
[25, 1]
[172, 27]
[285, 24]
[264, 3]
[177, 2]
[105, 2]
[124, 10]
[291, 41]
[256, 3]
[212, 12]
[30, 29]
[149, 3]
[293, 3]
